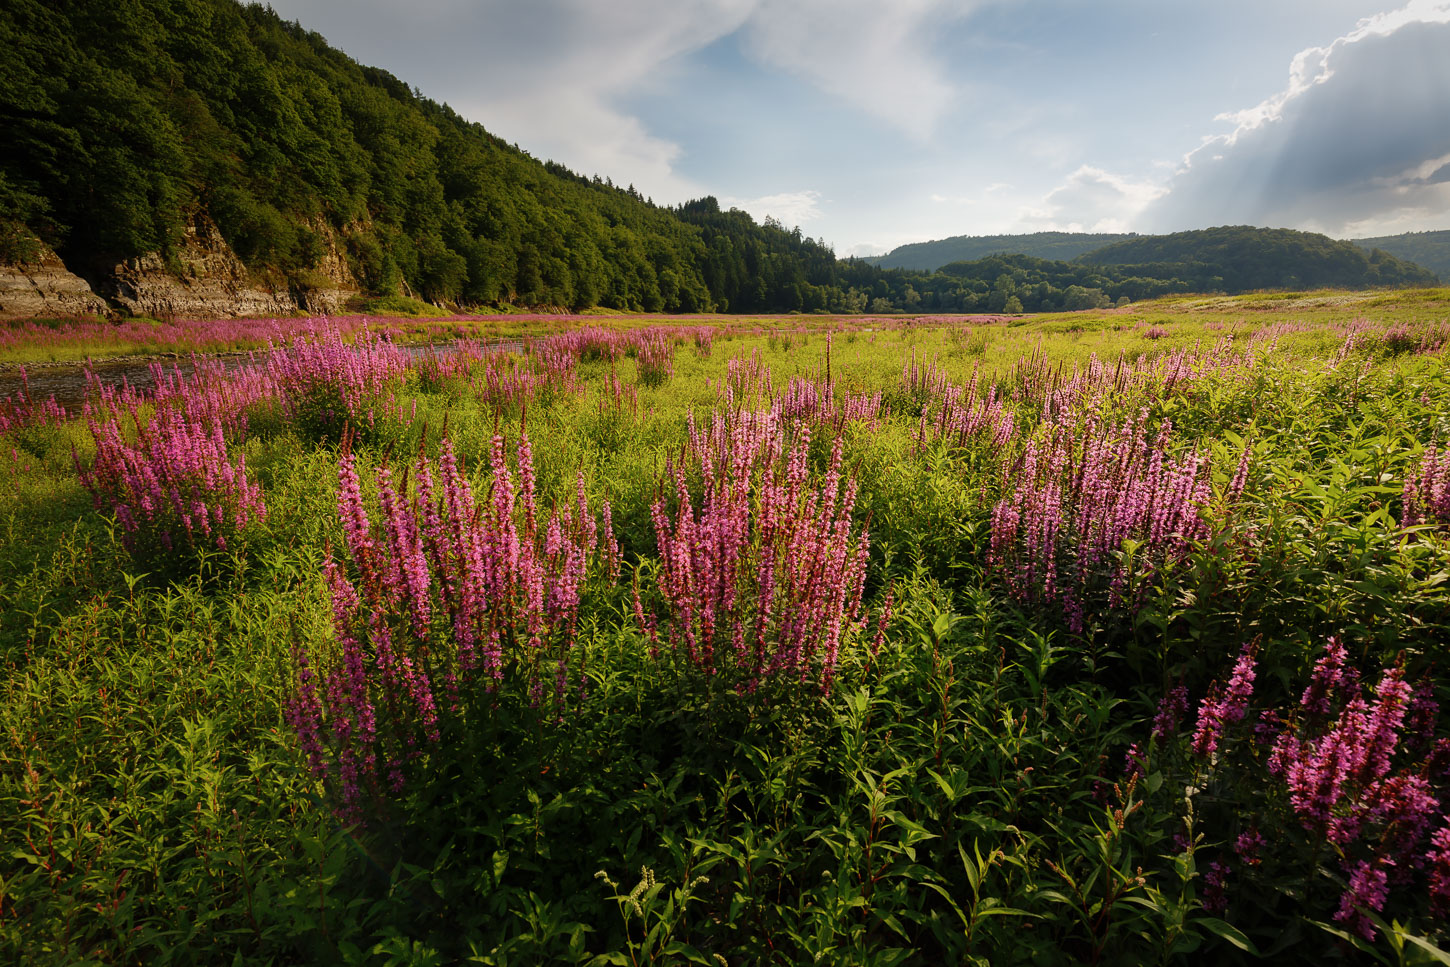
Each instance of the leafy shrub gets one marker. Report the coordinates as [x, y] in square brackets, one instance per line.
[329, 385]
[1351, 781]
[1095, 513]
[446, 598]
[174, 492]
[765, 579]
[1427, 490]
[655, 359]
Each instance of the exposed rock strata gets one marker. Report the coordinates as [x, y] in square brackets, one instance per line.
[206, 280]
[213, 282]
[45, 287]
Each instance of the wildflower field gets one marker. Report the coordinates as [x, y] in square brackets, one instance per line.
[1110, 637]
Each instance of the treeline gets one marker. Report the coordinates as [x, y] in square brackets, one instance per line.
[1430, 249]
[127, 122]
[1241, 258]
[933, 255]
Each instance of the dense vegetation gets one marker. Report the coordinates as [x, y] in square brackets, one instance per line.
[1241, 258]
[1054, 246]
[1430, 249]
[1231, 260]
[1021, 283]
[682, 644]
[126, 124]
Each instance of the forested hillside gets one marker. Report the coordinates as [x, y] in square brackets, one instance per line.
[126, 122]
[1430, 249]
[148, 140]
[930, 256]
[1241, 258]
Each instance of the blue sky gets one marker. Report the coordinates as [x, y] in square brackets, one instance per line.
[871, 123]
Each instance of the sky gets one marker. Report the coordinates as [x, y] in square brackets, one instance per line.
[873, 123]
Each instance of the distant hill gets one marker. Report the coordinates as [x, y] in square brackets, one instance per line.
[1430, 249]
[1056, 246]
[1241, 258]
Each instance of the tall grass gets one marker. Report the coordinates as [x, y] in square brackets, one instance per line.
[823, 702]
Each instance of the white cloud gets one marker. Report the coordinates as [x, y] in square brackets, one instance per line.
[555, 76]
[790, 208]
[548, 75]
[1090, 200]
[1356, 141]
[874, 55]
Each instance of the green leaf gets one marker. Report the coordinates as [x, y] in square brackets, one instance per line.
[1425, 945]
[1228, 932]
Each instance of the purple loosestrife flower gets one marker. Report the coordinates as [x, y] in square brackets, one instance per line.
[1080, 492]
[1225, 705]
[1339, 771]
[1427, 490]
[1437, 861]
[883, 620]
[1420, 720]
[1249, 845]
[765, 577]
[1215, 898]
[1135, 763]
[303, 712]
[1368, 889]
[1241, 475]
[174, 491]
[1332, 679]
[509, 584]
[1171, 711]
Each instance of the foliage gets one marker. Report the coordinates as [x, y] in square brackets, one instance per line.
[979, 783]
[1430, 249]
[448, 607]
[1246, 258]
[174, 492]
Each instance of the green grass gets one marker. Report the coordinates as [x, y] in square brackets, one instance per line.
[951, 800]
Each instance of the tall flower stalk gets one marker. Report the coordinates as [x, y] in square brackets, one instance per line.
[1358, 771]
[439, 597]
[1427, 490]
[328, 385]
[1095, 511]
[763, 576]
[174, 491]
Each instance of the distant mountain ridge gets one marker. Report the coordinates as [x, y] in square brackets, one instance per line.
[1242, 258]
[1055, 246]
[1430, 249]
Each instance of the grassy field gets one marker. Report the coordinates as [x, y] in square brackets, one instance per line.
[1106, 637]
[50, 341]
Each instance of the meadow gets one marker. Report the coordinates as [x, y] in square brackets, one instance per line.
[1104, 637]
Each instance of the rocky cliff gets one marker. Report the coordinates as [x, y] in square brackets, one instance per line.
[204, 280]
[211, 281]
[43, 287]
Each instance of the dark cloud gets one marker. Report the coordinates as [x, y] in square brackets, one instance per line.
[1365, 139]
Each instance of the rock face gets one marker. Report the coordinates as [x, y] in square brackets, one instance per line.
[213, 282]
[45, 287]
[207, 280]
[341, 284]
